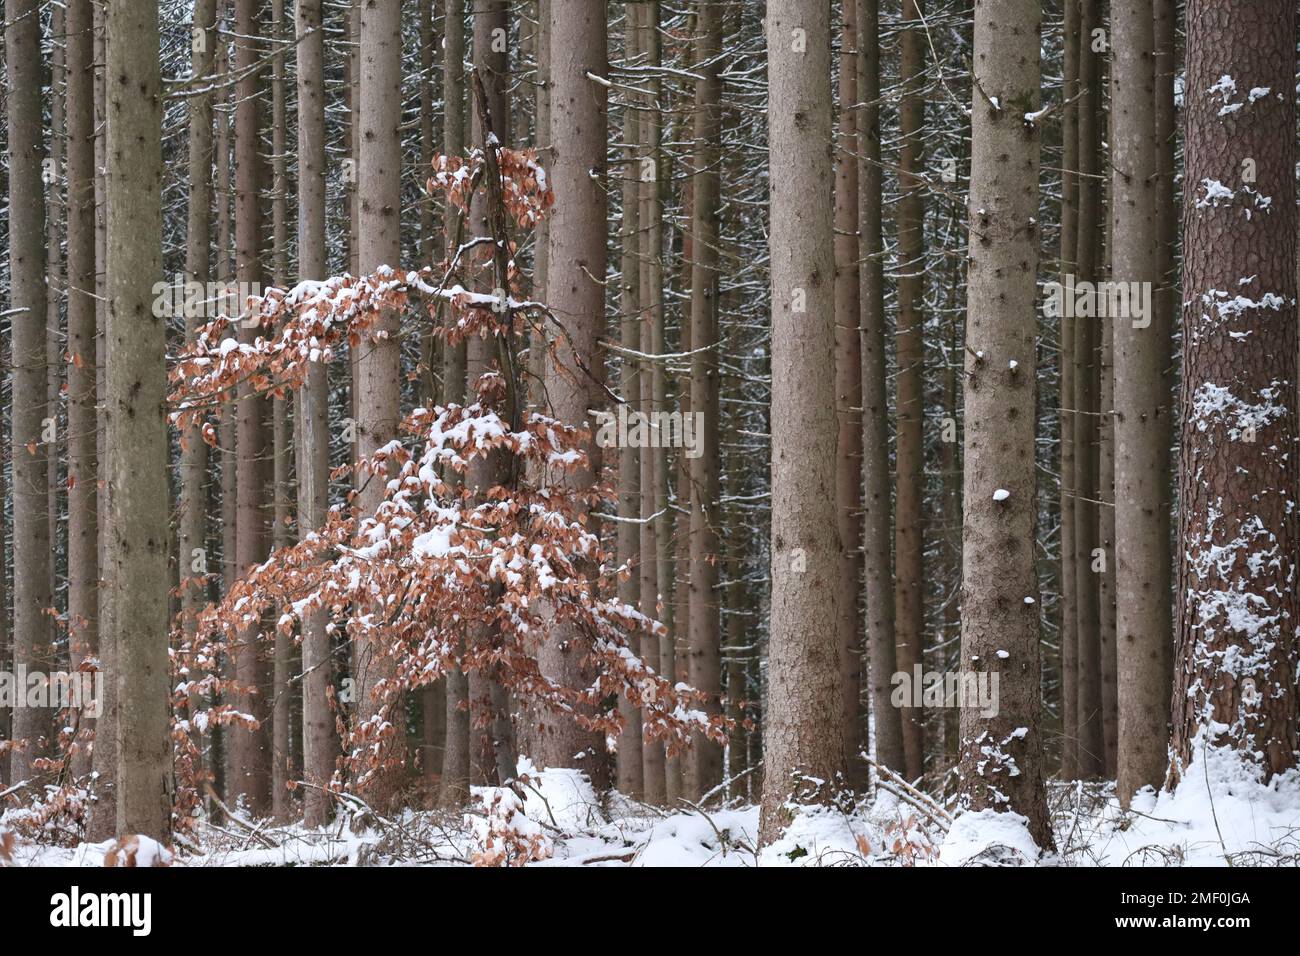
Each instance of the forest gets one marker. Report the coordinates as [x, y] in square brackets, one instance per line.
[672, 433]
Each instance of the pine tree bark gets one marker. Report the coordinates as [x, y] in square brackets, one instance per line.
[1001, 755]
[803, 739]
[31, 530]
[136, 422]
[631, 770]
[1142, 416]
[576, 269]
[83, 530]
[454, 788]
[910, 453]
[320, 742]
[250, 749]
[848, 394]
[876, 526]
[1234, 683]
[379, 362]
[704, 638]
[1069, 610]
[1087, 342]
[655, 650]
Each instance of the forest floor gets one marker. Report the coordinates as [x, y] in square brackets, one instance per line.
[1218, 815]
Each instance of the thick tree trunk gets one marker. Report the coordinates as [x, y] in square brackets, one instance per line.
[1234, 683]
[1001, 754]
[876, 528]
[803, 740]
[576, 269]
[136, 423]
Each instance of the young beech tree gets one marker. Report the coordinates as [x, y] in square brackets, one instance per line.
[437, 577]
[1234, 676]
[1001, 759]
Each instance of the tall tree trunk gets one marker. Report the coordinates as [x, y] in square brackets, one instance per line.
[848, 393]
[1087, 341]
[283, 689]
[876, 528]
[631, 772]
[136, 423]
[1142, 416]
[456, 757]
[1001, 755]
[31, 529]
[704, 764]
[250, 749]
[320, 742]
[102, 819]
[1234, 683]
[83, 546]
[1069, 608]
[803, 740]
[576, 270]
[910, 450]
[379, 362]
[654, 490]
[193, 507]
[490, 724]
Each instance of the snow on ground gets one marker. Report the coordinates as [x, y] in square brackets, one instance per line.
[1219, 814]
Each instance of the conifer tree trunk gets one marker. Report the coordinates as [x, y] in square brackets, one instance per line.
[1069, 612]
[137, 429]
[29, 453]
[1087, 342]
[320, 742]
[576, 269]
[250, 749]
[876, 528]
[803, 739]
[654, 490]
[704, 763]
[193, 506]
[456, 757]
[1001, 755]
[378, 365]
[848, 391]
[83, 546]
[1142, 417]
[1234, 683]
[631, 772]
[910, 454]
